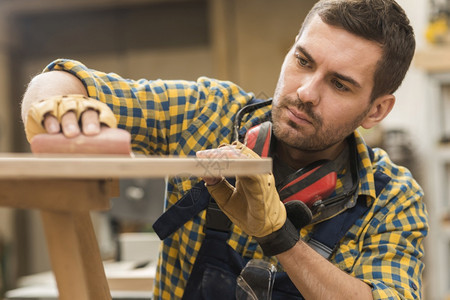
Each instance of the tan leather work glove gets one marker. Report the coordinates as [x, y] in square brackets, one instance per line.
[254, 204]
[59, 105]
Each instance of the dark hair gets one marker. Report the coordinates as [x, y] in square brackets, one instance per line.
[382, 21]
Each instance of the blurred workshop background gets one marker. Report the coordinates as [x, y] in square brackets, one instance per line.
[242, 41]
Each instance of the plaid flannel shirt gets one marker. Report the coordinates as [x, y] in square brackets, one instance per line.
[384, 248]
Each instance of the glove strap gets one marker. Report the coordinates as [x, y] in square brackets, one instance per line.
[279, 241]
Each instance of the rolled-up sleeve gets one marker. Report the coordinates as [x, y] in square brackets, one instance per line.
[164, 116]
[392, 248]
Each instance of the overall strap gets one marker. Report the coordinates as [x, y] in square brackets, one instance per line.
[198, 197]
[191, 204]
[327, 234]
[216, 219]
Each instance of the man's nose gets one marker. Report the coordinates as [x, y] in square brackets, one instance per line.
[309, 90]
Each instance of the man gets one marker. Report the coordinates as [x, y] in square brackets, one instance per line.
[347, 60]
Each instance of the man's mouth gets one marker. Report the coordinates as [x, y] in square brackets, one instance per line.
[298, 117]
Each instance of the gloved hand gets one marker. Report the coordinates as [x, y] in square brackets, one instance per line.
[254, 204]
[298, 213]
[59, 105]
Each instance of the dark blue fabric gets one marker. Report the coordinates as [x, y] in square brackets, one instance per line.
[215, 270]
[284, 289]
[331, 231]
[217, 265]
[191, 204]
[381, 180]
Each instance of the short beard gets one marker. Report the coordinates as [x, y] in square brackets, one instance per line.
[324, 137]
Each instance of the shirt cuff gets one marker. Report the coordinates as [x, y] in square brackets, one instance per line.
[79, 70]
[382, 291]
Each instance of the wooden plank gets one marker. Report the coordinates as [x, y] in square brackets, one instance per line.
[71, 241]
[64, 253]
[114, 190]
[26, 166]
[65, 203]
[74, 255]
[131, 283]
[55, 194]
[92, 266]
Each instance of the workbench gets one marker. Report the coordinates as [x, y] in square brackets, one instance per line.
[66, 188]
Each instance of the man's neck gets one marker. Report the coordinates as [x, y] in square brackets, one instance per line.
[297, 159]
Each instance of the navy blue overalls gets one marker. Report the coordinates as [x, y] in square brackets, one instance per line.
[217, 265]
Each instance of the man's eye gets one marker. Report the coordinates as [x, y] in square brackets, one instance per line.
[301, 60]
[339, 86]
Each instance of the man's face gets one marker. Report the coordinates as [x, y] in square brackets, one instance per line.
[323, 93]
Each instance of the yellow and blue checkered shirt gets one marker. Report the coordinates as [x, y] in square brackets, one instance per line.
[384, 248]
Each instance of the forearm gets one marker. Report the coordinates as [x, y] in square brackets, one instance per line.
[50, 84]
[317, 278]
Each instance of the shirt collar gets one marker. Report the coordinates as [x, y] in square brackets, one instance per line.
[365, 169]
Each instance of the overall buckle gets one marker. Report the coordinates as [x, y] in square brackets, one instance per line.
[216, 219]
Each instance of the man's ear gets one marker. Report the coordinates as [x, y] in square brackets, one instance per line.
[381, 107]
